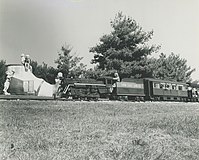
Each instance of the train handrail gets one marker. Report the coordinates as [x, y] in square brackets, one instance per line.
[89, 84]
[66, 88]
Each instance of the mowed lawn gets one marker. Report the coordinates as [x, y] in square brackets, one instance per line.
[61, 130]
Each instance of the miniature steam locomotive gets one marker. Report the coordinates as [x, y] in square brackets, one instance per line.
[146, 89]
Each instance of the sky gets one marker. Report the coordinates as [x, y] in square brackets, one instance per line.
[40, 27]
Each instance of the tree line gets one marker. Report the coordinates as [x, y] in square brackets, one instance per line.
[125, 50]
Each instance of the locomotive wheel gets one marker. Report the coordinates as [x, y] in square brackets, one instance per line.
[95, 99]
[156, 98]
[142, 99]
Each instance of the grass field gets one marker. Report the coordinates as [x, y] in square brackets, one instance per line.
[55, 130]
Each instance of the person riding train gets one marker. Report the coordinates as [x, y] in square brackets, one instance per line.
[58, 82]
[116, 79]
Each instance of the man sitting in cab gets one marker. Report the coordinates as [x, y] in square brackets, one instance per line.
[116, 79]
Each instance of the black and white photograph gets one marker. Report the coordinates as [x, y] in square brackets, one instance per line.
[99, 79]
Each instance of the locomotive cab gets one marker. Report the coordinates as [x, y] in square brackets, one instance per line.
[106, 92]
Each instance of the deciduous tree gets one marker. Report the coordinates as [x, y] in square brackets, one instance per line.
[68, 62]
[171, 67]
[44, 71]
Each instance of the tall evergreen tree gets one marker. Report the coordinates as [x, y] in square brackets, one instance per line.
[125, 49]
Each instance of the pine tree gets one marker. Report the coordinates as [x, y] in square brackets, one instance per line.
[125, 49]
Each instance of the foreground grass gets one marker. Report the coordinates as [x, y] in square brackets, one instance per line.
[98, 130]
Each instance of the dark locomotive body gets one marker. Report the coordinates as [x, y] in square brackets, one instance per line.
[84, 89]
[129, 89]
